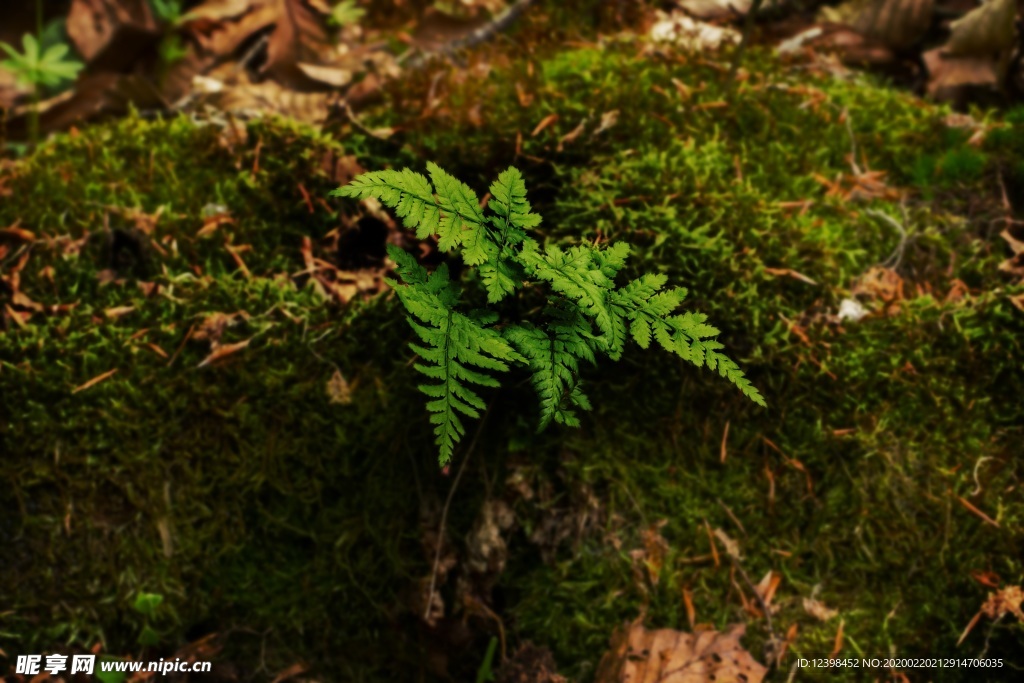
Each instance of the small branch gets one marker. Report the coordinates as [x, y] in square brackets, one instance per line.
[757, 596]
[474, 38]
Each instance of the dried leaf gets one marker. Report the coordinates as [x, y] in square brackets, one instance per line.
[818, 610]
[118, 311]
[96, 26]
[1003, 602]
[878, 283]
[299, 35]
[17, 233]
[950, 76]
[223, 351]
[608, 119]
[669, 656]
[789, 272]
[291, 672]
[333, 76]
[732, 548]
[572, 135]
[544, 123]
[94, 381]
[338, 389]
[767, 586]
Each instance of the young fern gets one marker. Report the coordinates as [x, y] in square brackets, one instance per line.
[586, 314]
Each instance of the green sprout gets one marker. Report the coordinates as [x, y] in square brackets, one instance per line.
[38, 69]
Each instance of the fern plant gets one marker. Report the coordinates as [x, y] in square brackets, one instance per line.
[586, 315]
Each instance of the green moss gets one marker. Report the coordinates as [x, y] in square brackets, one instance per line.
[290, 513]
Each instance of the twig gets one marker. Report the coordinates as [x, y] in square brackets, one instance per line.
[444, 514]
[757, 596]
[733, 517]
[480, 35]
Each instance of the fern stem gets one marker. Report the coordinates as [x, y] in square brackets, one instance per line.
[444, 512]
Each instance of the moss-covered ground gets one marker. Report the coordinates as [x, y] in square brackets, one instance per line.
[261, 509]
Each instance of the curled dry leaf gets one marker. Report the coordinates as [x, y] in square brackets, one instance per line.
[95, 25]
[222, 351]
[670, 656]
[608, 119]
[1015, 264]
[818, 610]
[1003, 602]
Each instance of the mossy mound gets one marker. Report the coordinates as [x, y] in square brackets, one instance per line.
[243, 495]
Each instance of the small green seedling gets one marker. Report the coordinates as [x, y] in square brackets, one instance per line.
[147, 604]
[38, 68]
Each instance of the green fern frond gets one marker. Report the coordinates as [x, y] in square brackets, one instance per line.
[553, 358]
[587, 314]
[406, 191]
[580, 275]
[649, 309]
[508, 201]
[456, 349]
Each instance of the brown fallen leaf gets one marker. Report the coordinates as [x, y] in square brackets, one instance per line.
[118, 312]
[608, 119]
[291, 672]
[668, 656]
[14, 232]
[878, 283]
[732, 548]
[94, 381]
[837, 644]
[767, 586]
[157, 350]
[952, 77]
[818, 610]
[789, 272]
[338, 389]
[544, 123]
[572, 135]
[100, 29]
[222, 351]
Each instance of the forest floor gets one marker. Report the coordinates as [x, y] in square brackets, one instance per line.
[215, 447]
